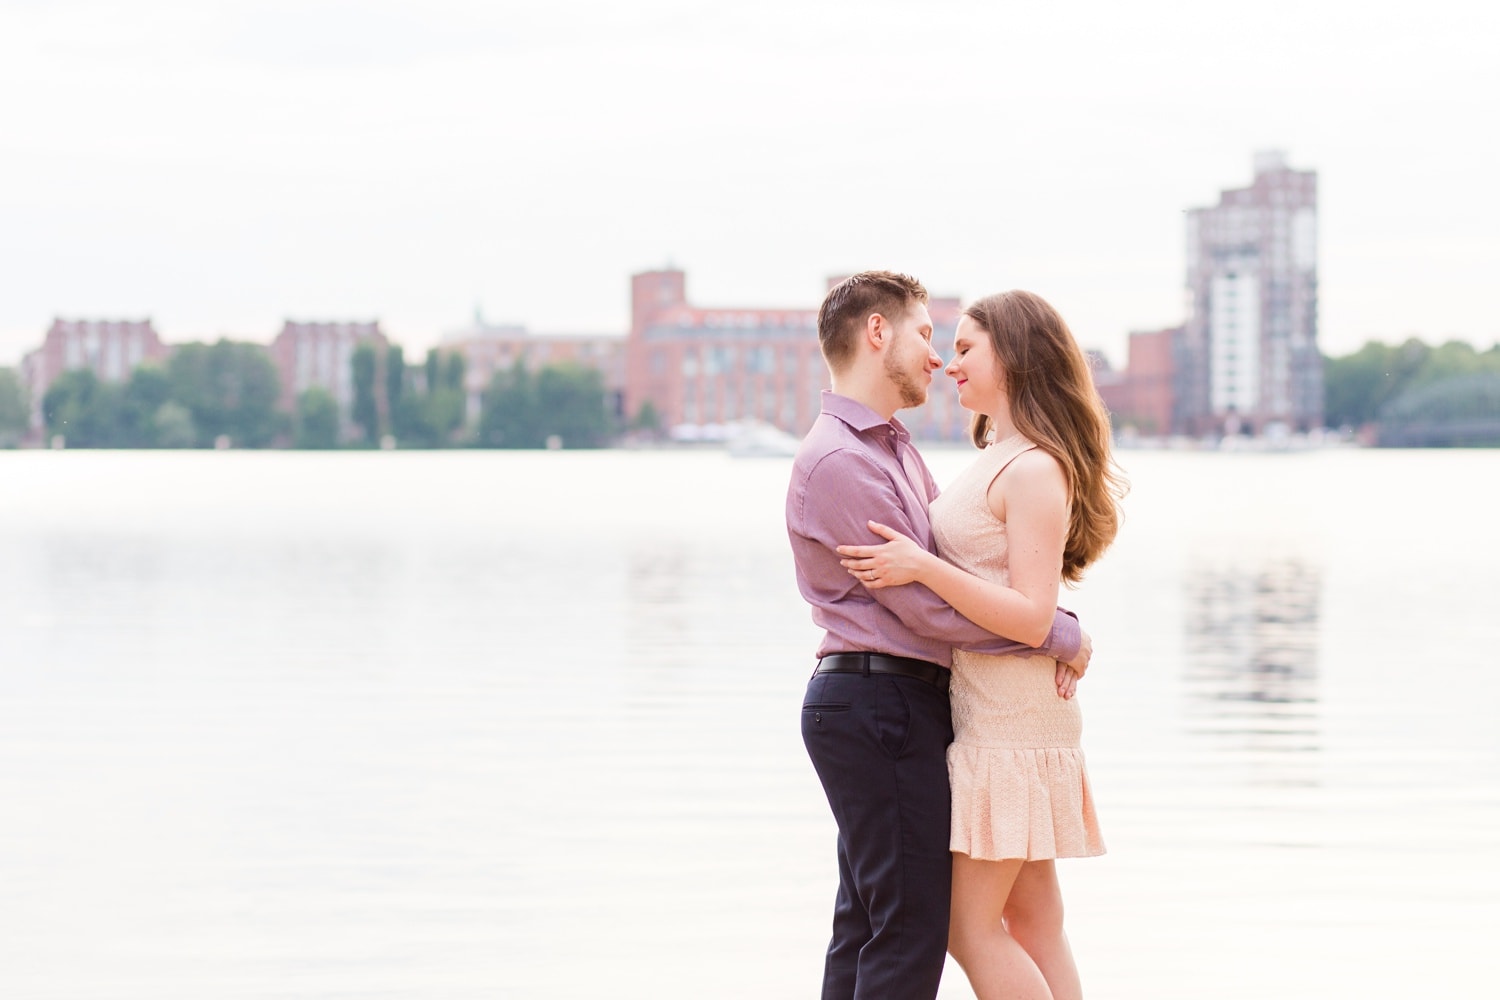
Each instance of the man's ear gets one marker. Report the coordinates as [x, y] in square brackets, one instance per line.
[876, 330]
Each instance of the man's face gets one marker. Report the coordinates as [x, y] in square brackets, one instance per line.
[910, 359]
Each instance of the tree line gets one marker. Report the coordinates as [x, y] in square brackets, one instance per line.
[227, 393]
[1409, 393]
[1415, 395]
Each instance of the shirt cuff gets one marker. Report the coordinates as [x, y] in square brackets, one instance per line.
[1066, 637]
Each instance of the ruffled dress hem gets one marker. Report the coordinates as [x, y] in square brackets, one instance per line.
[1013, 802]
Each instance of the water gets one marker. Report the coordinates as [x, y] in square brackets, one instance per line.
[526, 725]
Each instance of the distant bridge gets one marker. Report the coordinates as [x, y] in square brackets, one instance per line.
[1463, 411]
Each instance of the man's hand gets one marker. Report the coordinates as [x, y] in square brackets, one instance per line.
[1071, 672]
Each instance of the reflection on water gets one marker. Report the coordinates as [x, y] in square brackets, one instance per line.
[322, 727]
[1251, 665]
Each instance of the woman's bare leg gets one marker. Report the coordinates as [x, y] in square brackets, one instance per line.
[997, 966]
[1034, 917]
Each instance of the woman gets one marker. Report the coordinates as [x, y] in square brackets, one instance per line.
[1037, 507]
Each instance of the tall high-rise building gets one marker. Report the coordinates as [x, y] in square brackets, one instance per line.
[1248, 359]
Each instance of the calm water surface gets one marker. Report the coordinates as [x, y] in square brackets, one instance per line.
[526, 726]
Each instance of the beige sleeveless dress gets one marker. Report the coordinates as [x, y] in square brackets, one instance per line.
[1019, 785]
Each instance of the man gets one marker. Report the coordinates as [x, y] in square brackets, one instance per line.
[875, 719]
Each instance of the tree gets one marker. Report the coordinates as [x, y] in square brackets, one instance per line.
[317, 419]
[647, 420]
[432, 417]
[508, 415]
[566, 401]
[395, 389]
[1356, 386]
[443, 415]
[174, 426]
[365, 412]
[230, 389]
[571, 399]
[1458, 411]
[416, 420]
[453, 371]
[13, 415]
[83, 410]
[446, 400]
[146, 391]
[1359, 387]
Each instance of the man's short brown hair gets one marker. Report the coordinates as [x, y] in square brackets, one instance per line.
[851, 302]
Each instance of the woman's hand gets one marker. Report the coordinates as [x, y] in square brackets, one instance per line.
[898, 561]
[1067, 681]
[1070, 672]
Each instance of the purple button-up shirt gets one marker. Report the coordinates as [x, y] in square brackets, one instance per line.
[855, 467]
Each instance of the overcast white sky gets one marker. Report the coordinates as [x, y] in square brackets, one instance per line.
[221, 165]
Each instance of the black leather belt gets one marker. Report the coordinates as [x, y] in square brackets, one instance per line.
[880, 663]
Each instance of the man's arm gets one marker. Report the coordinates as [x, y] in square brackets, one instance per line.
[855, 490]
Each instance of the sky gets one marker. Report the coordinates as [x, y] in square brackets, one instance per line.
[223, 166]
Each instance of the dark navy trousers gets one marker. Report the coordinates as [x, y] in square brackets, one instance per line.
[879, 744]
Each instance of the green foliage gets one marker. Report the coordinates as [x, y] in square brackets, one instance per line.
[395, 382]
[1418, 395]
[453, 371]
[1357, 385]
[317, 419]
[230, 389]
[444, 414]
[408, 421]
[647, 420]
[84, 410]
[429, 412]
[571, 399]
[508, 416]
[1459, 397]
[148, 389]
[173, 426]
[419, 418]
[205, 391]
[566, 401]
[365, 412]
[13, 415]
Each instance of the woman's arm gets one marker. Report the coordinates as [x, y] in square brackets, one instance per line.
[1030, 496]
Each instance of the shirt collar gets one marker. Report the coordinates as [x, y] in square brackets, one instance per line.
[859, 416]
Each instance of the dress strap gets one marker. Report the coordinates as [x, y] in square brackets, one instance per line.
[1025, 446]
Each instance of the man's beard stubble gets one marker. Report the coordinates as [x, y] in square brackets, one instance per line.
[913, 392]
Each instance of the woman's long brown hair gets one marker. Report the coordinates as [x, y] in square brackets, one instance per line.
[1053, 402]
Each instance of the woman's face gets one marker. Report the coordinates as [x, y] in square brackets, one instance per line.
[981, 384]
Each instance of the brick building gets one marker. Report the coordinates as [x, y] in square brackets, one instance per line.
[319, 354]
[1141, 397]
[702, 368]
[110, 348]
